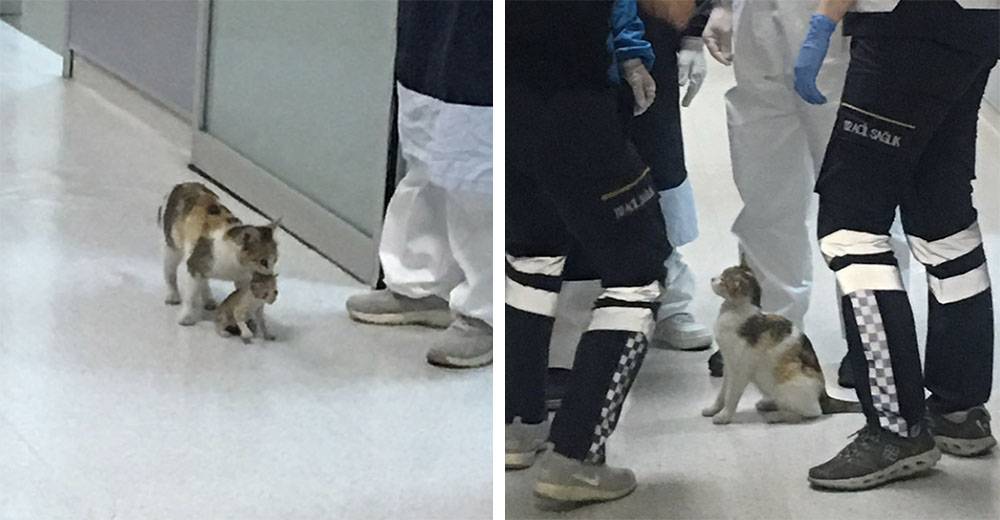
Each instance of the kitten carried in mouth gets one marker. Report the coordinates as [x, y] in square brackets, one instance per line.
[243, 311]
[213, 244]
[770, 351]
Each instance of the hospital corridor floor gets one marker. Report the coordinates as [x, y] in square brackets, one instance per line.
[689, 468]
[109, 409]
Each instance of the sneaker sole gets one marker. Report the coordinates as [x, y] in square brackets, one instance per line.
[577, 495]
[433, 319]
[965, 447]
[907, 467]
[456, 362]
[515, 460]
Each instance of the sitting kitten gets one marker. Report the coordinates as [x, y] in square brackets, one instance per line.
[243, 311]
[769, 351]
[212, 243]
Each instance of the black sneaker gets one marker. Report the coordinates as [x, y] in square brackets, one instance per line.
[845, 376]
[715, 364]
[876, 457]
[966, 433]
[556, 386]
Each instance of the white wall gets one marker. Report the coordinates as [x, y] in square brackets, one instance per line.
[45, 21]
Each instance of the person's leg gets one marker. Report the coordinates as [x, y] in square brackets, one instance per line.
[659, 140]
[772, 166]
[468, 342]
[462, 157]
[891, 108]
[942, 225]
[605, 198]
[676, 328]
[419, 266]
[536, 245]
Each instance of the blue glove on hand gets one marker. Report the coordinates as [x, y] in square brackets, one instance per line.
[811, 56]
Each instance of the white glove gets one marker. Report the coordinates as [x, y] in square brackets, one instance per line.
[718, 35]
[643, 86]
[691, 67]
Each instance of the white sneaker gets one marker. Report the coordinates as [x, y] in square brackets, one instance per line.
[384, 307]
[566, 482]
[467, 343]
[681, 332]
[523, 443]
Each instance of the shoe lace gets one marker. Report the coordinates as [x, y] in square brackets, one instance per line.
[864, 439]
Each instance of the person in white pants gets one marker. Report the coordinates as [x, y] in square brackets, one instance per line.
[436, 244]
[777, 142]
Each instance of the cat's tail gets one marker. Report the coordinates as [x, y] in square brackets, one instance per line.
[831, 405]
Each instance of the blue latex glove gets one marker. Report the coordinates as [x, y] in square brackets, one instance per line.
[811, 57]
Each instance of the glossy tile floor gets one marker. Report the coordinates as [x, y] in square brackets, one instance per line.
[689, 468]
[109, 409]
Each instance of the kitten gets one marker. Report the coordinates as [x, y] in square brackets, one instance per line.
[243, 311]
[770, 351]
[213, 244]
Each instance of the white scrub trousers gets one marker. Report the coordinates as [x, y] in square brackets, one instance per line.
[777, 142]
[438, 229]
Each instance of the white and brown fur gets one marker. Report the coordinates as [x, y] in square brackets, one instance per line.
[769, 351]
[211, 243]
[242, 312]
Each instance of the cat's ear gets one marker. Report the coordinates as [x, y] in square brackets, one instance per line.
[743, 262]
[267, 232]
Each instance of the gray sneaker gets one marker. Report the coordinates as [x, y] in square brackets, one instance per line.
[523, 442]
[572, 482]
[384, 307]
[966, 433]
[681, 332]
[876, 457]
[467, 343]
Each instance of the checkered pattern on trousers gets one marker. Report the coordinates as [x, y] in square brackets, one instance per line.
[876, 346]
[621, 381]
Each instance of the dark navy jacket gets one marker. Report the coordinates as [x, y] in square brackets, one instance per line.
[444, 49]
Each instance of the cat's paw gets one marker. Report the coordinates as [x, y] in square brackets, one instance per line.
[710, 411]
[774, 418]
[766, 405]
[247, 340]
[722, 418]
[172, 299]
[269, 337]
[188, 320]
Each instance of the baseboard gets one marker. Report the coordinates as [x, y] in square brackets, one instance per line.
[172, 126]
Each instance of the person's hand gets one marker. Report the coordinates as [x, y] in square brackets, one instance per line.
[811, 57]
[718, 35]
[691, 67]
[643, 86]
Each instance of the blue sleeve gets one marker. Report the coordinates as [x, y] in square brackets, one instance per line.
[627, 32]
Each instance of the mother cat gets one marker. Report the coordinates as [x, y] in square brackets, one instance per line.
[212, 243]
